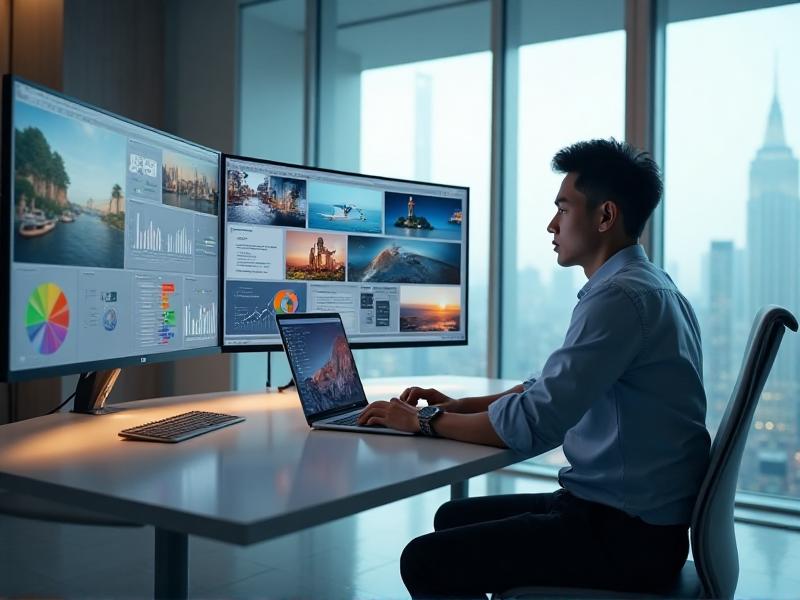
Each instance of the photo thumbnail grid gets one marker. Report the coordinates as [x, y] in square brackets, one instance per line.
[389, 262]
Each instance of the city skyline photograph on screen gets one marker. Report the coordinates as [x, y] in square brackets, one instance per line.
[258, 199]
[188, 182]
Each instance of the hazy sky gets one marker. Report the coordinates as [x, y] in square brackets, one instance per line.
[460, 139]
[720, 75]
[717, 106]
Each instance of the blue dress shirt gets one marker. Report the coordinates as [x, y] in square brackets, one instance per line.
[624, 395]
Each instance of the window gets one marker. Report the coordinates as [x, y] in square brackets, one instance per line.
[271, 100]
[732, 211]
[418, 111]
[571, 88]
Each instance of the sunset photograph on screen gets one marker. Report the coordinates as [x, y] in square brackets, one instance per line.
[430, 308]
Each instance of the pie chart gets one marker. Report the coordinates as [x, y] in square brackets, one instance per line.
[47, 318]
[285, 301]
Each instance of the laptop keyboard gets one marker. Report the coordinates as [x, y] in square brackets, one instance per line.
[351, 420]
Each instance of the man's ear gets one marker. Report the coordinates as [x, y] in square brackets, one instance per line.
[609, 214]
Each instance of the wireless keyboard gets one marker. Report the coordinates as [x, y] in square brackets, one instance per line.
[180, 427]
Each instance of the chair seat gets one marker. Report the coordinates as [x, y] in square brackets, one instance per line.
[687, 586]
[30, 507]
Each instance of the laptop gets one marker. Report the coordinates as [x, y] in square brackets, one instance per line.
[325, 372]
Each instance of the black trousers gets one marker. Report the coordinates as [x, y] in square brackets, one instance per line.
[496, 543]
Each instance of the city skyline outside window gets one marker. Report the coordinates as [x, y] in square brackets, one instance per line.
[732, 212]
[430, 121]
[569, 90]
[731, 206]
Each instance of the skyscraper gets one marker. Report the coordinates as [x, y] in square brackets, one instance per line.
[773, 244]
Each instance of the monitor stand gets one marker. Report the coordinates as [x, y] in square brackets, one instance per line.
[283, 388]
[280, 388]
[92, 390]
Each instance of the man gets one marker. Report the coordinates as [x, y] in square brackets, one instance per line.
[623, 395]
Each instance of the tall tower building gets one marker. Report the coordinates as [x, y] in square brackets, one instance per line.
[773, 243]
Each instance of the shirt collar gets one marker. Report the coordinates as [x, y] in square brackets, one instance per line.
[613, 265]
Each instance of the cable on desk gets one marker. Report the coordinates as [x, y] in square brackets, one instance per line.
[70, 397]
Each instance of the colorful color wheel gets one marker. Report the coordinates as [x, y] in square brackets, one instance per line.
[285, 301]
[47, 318]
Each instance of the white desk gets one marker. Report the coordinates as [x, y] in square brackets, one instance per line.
[246, 483]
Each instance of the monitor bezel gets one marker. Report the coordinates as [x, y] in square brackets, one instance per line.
[6, 200]
[355, 345]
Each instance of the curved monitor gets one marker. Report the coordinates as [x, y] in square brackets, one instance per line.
[388, 255]
[111, 233]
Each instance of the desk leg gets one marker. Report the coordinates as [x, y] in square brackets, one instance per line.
[172, 564]
[459, 490]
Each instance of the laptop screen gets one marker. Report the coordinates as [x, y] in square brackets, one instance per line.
[322, 363]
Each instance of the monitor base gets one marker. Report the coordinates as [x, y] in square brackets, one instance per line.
[93, 390]
[283, 388]
[105, 410]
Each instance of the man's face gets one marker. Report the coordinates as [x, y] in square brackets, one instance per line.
[575, 231]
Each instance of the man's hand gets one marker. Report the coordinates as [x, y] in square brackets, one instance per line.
[413, 395]
[395, 414]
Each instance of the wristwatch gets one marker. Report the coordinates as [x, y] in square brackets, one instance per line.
[426, 416]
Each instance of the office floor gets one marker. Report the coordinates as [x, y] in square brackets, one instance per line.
[356, 557]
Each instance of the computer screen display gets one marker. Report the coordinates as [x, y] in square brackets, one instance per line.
[112, 231]
[388, 255]
[322, 364]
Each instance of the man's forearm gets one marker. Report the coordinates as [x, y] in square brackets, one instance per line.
[475, 428]
[479, 404]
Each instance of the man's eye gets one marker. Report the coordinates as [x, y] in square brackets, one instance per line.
[562, 210]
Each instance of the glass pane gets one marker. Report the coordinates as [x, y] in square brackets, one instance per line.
[272, 80]
[732, 211]
[271, 100]
[569, 90]
[419, 111]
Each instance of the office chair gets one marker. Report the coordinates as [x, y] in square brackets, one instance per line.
[715, 570]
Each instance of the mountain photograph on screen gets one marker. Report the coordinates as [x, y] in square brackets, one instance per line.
[383, 260]
[326, 372]
[335, 383]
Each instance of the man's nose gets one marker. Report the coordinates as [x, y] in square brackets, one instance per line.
[551, 227]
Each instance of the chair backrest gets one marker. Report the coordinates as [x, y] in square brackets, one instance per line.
[713, 538]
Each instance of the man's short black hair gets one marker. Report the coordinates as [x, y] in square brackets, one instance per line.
[616, 171]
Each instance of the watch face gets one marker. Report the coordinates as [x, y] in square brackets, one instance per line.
[429, 411]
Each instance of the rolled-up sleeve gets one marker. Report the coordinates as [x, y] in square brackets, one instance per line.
[602, 341]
